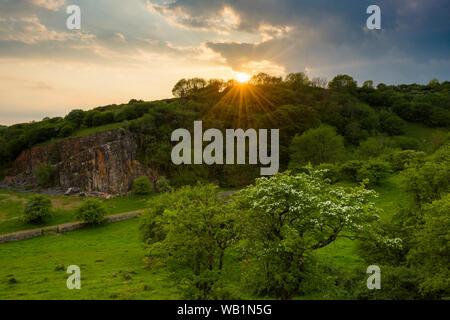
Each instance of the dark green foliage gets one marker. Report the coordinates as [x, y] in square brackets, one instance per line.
[76, 117]
[391, 123]
[372, 147]
[406, 143]
[66, 130]
[185, 88]
[333, 172]
[374, 171]
[142, 186]
[350, 169]
[316, 146]
[102, 118]
[92, 211]
[163, 185]
[341, 82]
[37, 208]
[46, 176]
[401, 160]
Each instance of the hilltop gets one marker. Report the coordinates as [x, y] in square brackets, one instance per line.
[388, 117]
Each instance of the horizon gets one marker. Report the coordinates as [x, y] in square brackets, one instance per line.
[140, 49]
[164, 98]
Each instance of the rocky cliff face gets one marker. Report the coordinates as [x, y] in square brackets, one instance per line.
[102, 162]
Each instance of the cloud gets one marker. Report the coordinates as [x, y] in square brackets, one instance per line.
[220, 17]
[29, 30]
[53, 5]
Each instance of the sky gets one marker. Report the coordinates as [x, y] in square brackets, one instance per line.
[141, 48]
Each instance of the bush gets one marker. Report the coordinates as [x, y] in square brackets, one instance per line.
[142, 186]
[332, 172]
[316, 146]
[374, 170]
[349, 170]
[406, 143]
[402, 159]
[37, 208]
[92, 211]
[391, 123]
[163, 185]
[46, 176]
[371, 148]
[66, 130]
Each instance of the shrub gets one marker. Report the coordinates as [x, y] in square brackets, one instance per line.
[427, 182]
[374, 170]
[46, 176]
[402, 159]
[163, 184]
[142, 186]
[406, 143]
[37, 208]
[92, 211]
[391, 123]
[320, 145]
[332, 172]
[371, 148]
[189, 230]
[349, 170]
[66, 130]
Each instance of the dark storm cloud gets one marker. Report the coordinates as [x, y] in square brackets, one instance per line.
[330, 36]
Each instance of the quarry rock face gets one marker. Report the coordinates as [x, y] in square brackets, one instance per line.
[103, 162]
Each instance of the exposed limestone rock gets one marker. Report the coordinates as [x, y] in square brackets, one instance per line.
[103, 163]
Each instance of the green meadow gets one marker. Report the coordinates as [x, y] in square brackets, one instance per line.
[112, 256]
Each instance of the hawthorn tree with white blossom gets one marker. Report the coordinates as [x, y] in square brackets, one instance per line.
[288, 217]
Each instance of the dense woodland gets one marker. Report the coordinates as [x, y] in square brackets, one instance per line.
[358, 134]
[362, 117]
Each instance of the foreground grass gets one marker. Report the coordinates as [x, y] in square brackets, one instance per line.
[110, 258]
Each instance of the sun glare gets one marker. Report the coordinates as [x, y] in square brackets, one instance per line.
[242, 77]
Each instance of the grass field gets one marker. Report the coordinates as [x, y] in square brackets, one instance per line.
[12, 204]
[111, 256]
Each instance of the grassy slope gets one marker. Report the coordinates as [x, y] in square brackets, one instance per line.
[104, 255]
[12, 204]
[86, 131]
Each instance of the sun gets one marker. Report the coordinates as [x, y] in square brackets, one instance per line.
[242, 77]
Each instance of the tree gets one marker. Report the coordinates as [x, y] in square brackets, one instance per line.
[431, 256]
[262, 79]
[76, 117]
[343, 81]
[319, 82]
[92, 211]
[430, 180]
[371, 148]
[288, 217]
[297, 80]
[189, 230]
[46, 176]
[142, 186]
[320, 145]
[368, 84]
[185, 88]
[374, 171]
[391, 123]
[37, 208]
